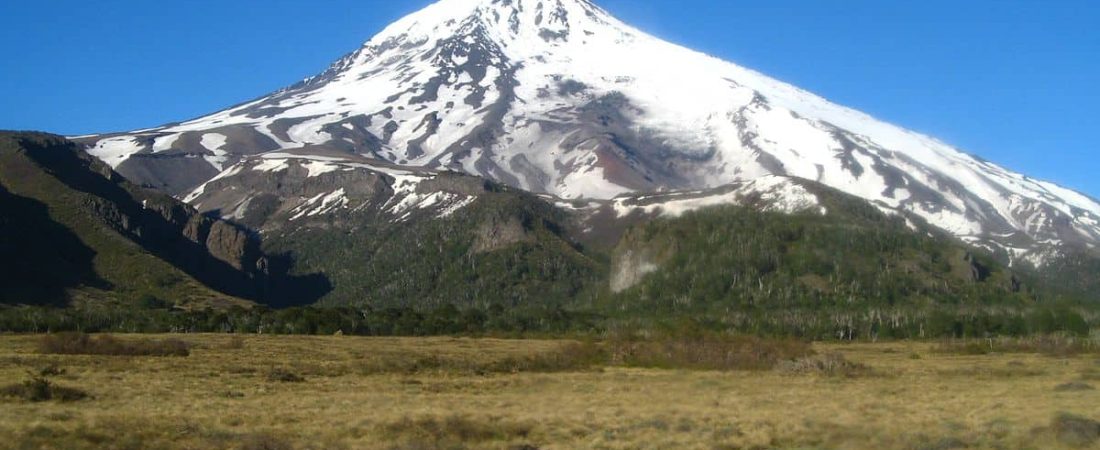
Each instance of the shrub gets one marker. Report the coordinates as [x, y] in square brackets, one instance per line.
[1075, 430]
[573, 356]
[51, 370]
[829, 364]
[84, 344]
[707, 352]
[924, 442]
[284, 376]
[149, 301]
[40, 389]
[447, 431]
[263, 441]
[235, 343]
[1056, 345]
[1074, 386]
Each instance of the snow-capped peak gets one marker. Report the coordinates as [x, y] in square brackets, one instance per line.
[559, 97]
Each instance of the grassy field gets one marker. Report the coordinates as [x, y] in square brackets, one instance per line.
[266, 392]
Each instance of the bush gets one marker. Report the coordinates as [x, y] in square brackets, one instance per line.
[1057, 345]
[84, 344]
[571, 357]
[235, 343]
[455, 430]
[701, 352]
[707, 352]
[40, 389]
[284, 376]
[830, 364]
[1073, 386]
[1075, 430]
[51, 370]
[149, 301]
[263, 441]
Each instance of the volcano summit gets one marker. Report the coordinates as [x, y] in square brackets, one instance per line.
[557, 97]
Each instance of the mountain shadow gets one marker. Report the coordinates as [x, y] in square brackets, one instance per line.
[42, 259]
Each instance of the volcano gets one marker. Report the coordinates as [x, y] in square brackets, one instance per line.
[559, 98]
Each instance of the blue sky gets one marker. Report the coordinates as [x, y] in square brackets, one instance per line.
[1014, 81]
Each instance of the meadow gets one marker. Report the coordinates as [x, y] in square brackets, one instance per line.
[342, 392]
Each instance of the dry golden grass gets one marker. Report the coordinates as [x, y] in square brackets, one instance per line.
[384, 393]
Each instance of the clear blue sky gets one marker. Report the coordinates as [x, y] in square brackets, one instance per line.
[1014, 81]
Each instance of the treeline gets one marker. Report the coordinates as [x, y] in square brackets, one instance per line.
[445, 320]
[911, 323]
[872, 324]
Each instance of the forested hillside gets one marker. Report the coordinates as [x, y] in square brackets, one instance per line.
[124, 257]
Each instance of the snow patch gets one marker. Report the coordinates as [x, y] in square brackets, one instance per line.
[317, 168]
[456, 206]
[272, 165]
[163, 143]
[215, 143]
[115, 151]
[774, 194]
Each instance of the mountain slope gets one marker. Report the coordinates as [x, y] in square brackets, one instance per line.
[505, 248]
[74, 230]
[392, 237]
[789, 255]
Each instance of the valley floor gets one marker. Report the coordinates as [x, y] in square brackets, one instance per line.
[266, 392]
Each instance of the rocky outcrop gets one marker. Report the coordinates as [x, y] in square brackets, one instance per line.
[457, 183]
[498, 233]
[232, 245]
